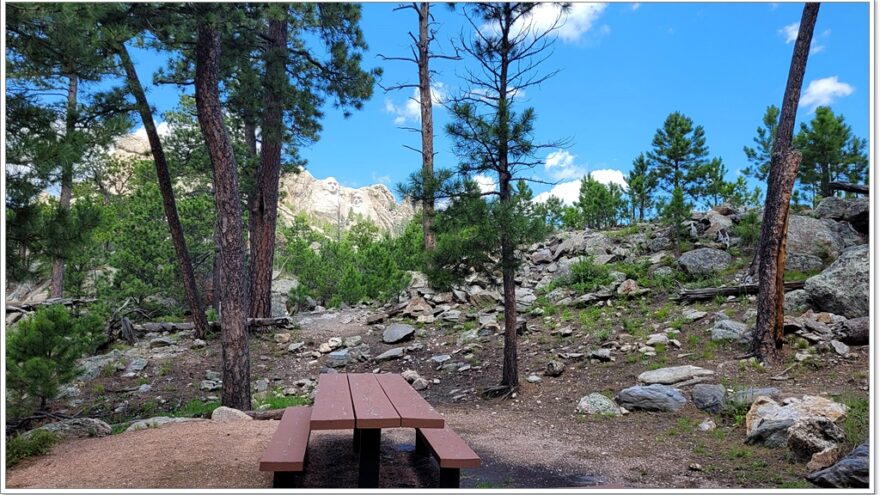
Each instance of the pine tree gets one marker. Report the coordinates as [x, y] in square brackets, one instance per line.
[759, 157]
[599, 205]
[641, 183]
[491, 138]
[675, 213]
[679, 155]
[830, 153]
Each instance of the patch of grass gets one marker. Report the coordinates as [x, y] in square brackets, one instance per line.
[590, 317]
[603, 334]
[632, 358]
[693, 340]
[736, 414]
[678, 323]
[566, 315]
[98, 389]
[19, 448]
[276, 401]
[143, 381]
[196, 409]
[795, 484]
[708, 353]
[856, 425]
[739, 452]
[164, 369]
[663, 312]
[624, 232]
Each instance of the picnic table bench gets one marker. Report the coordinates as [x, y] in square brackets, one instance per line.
[365, 403]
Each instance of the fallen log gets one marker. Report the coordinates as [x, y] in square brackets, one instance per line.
[690, 295]
[23, 307]
[849, 187]
[160, 326]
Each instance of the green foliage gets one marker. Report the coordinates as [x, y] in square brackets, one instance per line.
[599, 206]
[759, 157]
[675, 213]
[856, 425]
[358, 267]
[748, 229]
[20, 447]
[830, 153]
[196, 408]
[679, 155]
[641, 185]
[276, 400]
[41, 354]
[585, 276]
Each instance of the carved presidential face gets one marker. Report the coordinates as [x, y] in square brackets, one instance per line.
[331, 186]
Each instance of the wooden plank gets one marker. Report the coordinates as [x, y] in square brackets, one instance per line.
[372, 409]
[414, 411]
[333, 409]
[449, 449]
[287, 449]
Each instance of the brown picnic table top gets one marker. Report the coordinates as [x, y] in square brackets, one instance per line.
[370, 401]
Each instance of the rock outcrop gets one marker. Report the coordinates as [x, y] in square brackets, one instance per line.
[843, 287]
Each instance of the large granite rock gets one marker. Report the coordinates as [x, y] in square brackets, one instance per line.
[673, 374]
[855, 211]
[730, 330]
[704, 261]
[855, 331]
[281, 287]
[583, 242]
[597, 403]
[801, 262]
[811, 436]
[708, 398]
[654, 397]
[768, 422]
[224, 413]
[157, 422]
[807, 235]
[842, 288]
[76, 428]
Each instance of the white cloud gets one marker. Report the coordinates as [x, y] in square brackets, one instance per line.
[816, 48]
[790, 32]
[560, 165]
[824, 91]
[411, 111]
[486, 183]
[163, 129]
[568, 191]
[635, 6]
[572, 24]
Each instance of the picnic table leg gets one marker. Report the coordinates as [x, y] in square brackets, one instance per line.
[356, 442]
[421, 444]
[449, 477]
[368, 474]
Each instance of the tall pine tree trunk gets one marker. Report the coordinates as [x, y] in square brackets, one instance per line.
[264, 208]
[425, 99]
[66, 193]
[784, 163]
[169, 204]
[233, 322]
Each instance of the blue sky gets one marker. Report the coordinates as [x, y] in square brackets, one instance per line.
[623, 68]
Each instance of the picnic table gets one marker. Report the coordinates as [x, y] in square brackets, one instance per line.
[366, 403]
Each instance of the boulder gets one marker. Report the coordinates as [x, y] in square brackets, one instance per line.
[481, 297]
[596, 403]
[93, 365]
[853, 471]
[76, 428]
[280, 294]
[855, 211]
[747, 396]
[157, 422]
[810, 436]
[801, 262]
[418, 306]
[796, 302]
[715, 222]
[583, 243]
[854, 331]
[224, 413]
[842, 288]
[708, 398]
[673, 374]
[338, 359]
[692, 315]
[541, 256]
[161, 342]
[704, 261]
[397, 332]
[525, 298]
[808, 235]
[730, 330]
[654, 397]
[554, 368]
[767, 422]
[136, 365]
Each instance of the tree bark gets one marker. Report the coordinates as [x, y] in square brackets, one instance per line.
[169, 204]
[66, 193]
[425, 99]
[784, 163]
[264, 208]
[236, 363]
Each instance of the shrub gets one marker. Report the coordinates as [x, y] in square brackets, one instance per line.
[41, 354]
[748, 229]
[21, 447]
[586, 276]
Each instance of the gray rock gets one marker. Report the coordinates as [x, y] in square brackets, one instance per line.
[707, 425]
[92, 366]
[597, 403]
[812, 236]
[541, 256]
[654, 397]
[730, 330]
[352, 341]
[525, 298]
[839, 347]
[295, 346]
[693, 315]
[554, 368]
[420, 384]
[673, 374]
[75, 428]
[395, 353]
[842, 288]
[224, 413]
[136, 365]
[767, 422]
[209, 385]
[161, 342]
[440, 358]
[853, 471]
[397, 332]
[747, 396]
[146, 387]
[158, 422]
[855, 331]
[772, 433]
[855, 211]
[708, 398]
[664, 271]
[583, 242]
[704, 261]
[603, 354]
[796, 302]
[715, 222]
[198, 344]
[533, 379]
[338, 359]
[214, 376]
[261, 385]
[802, 262]
[452, 315]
